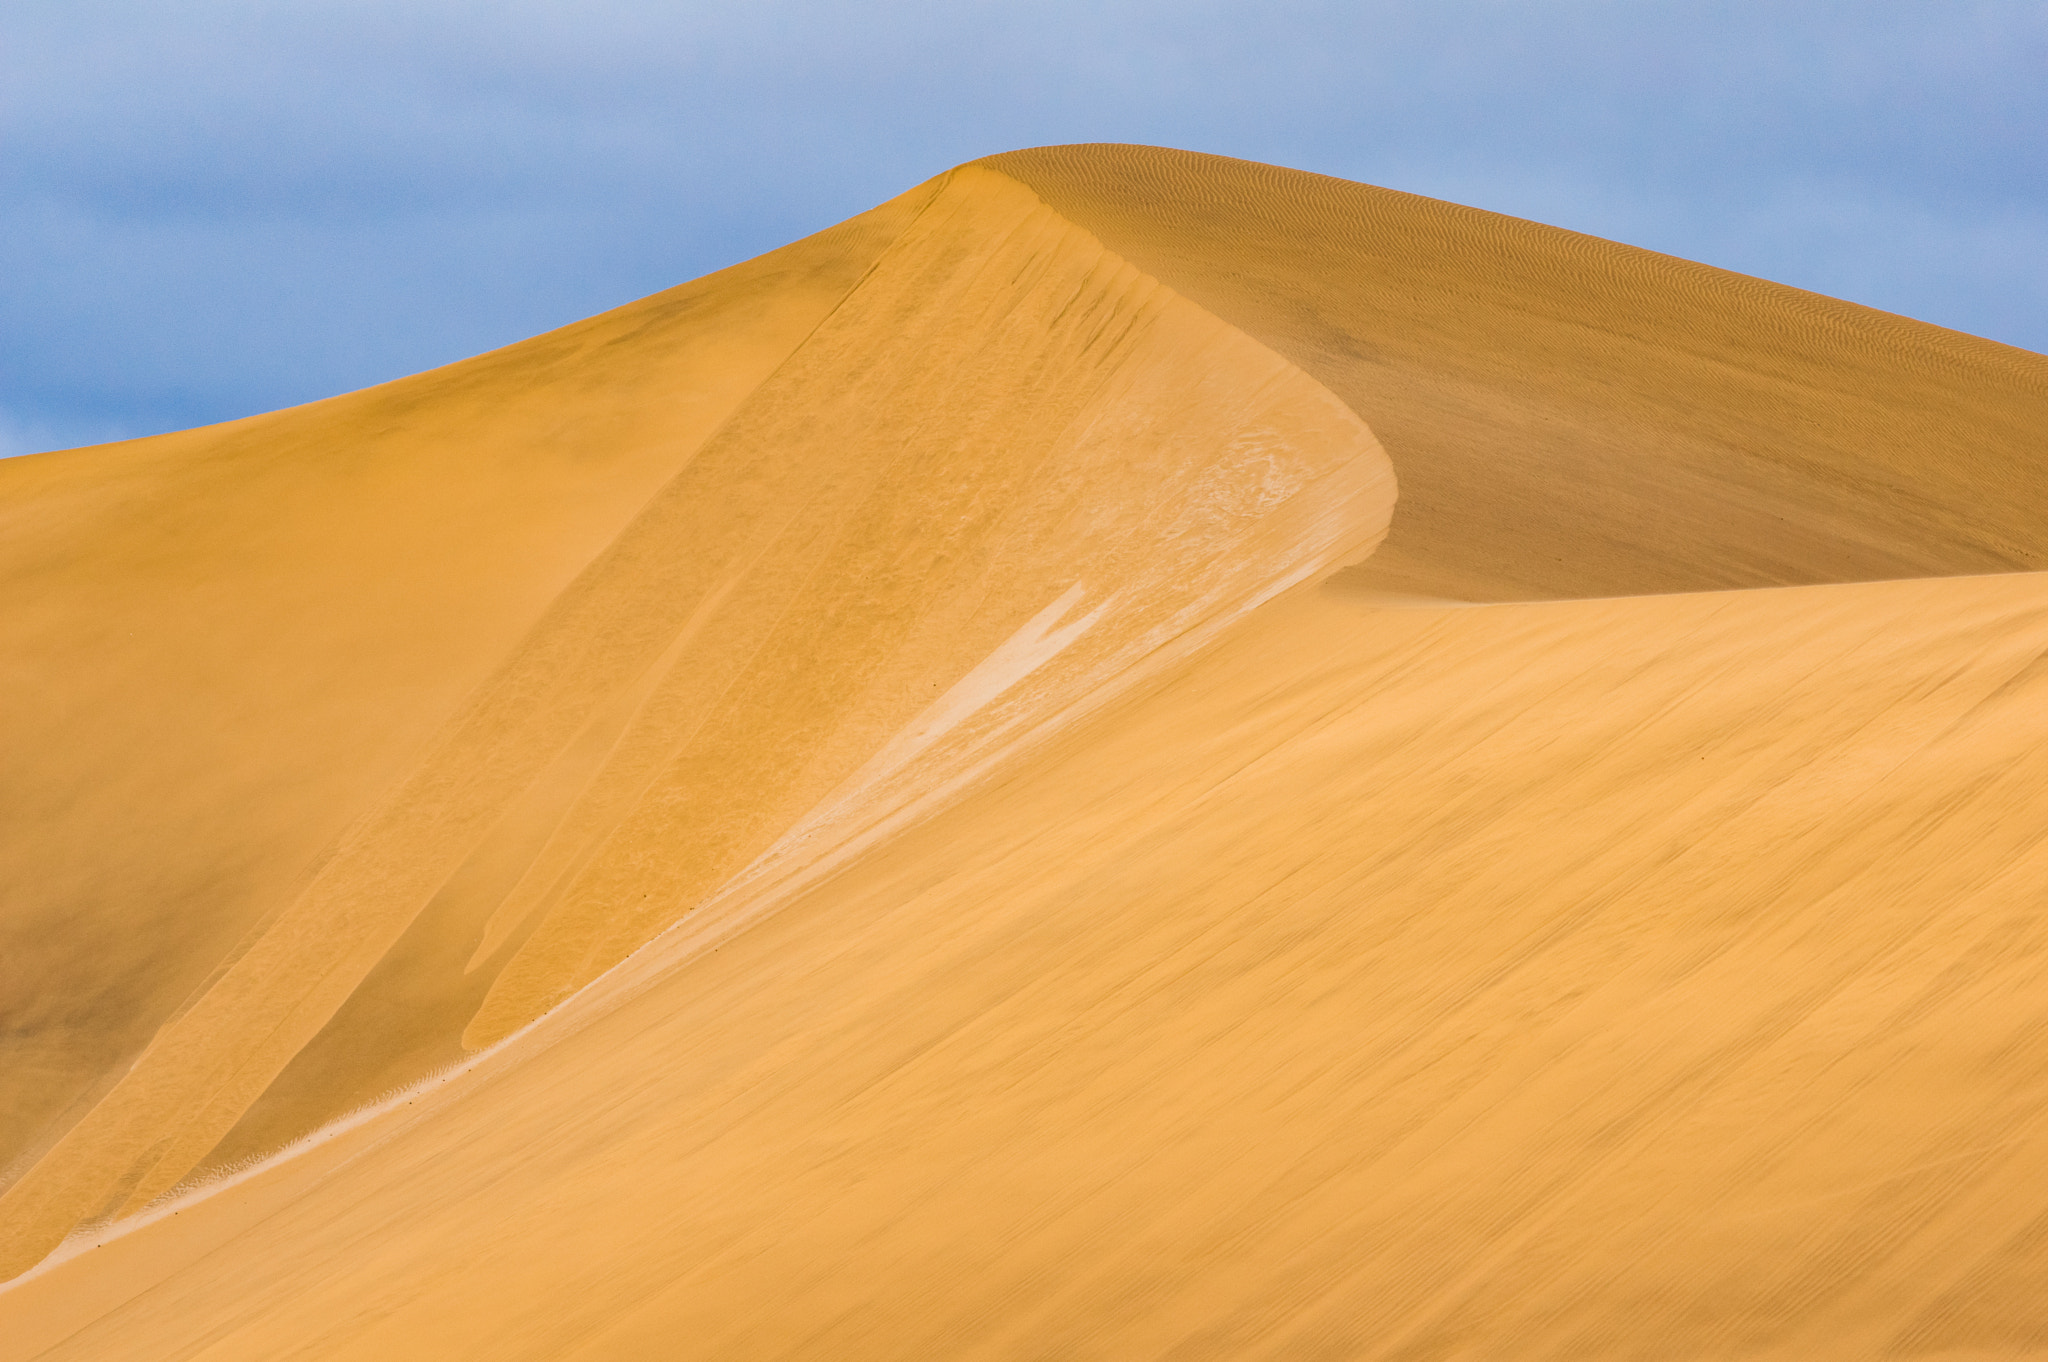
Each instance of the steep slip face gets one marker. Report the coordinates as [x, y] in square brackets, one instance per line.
[1007, 475]
[1613, 979]
[218, 646]
[1572, 417]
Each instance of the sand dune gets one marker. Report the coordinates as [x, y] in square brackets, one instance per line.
[1572, 418]
[896, 770]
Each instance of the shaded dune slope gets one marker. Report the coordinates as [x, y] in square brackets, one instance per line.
[948, 884]
[220, 645]
[1573, 417]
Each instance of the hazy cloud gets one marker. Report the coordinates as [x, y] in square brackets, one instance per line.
[216, 208]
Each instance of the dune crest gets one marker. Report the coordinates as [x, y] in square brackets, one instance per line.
[999, 417]
[1571, 417]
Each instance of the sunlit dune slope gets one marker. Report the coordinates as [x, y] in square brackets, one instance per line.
[890, 776]
[1660, 977]
[1572, 417]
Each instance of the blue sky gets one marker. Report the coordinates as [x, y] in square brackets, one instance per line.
[216, 208]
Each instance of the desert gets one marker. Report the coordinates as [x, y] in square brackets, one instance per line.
[1130, 754]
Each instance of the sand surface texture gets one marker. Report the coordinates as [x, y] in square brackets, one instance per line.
[1130, 755]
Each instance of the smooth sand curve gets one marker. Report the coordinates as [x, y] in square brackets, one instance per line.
[1572, 417]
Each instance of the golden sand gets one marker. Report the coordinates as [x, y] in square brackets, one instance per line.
[884, 804]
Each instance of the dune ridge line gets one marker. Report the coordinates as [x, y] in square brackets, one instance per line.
[1280, 470]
